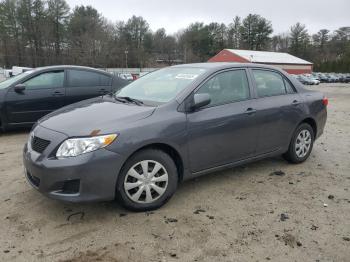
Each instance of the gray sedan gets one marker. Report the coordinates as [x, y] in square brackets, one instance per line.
[171, 125]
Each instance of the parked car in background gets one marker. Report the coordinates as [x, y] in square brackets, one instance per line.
[315, 76]
[314, 80]
[168, 126]
[29, 96]
[342, 78]
[323, 78]
[347, 78]
[16, 70]
[332, 77]
[8, 73]
[126, 76]
[305, 80]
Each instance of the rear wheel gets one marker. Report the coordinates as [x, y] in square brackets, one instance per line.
[147, 181]
[301, 144]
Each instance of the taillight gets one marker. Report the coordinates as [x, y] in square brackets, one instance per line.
[325, 101]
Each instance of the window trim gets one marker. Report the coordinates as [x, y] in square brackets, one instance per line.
[45, 87]
[68, 71]
[284, 78]
[220, 72]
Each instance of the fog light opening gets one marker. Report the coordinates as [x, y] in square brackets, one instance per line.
[70, 187]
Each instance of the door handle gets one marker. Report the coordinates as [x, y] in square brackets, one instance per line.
[57, 93]
[295, 102]
[250, 111]
[103, 91]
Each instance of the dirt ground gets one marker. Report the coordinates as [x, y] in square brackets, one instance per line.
[242, 214]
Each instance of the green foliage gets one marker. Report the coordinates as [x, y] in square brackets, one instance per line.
[255, 32]
[46, 32]
[57, 20]
[299, 40]
[234, 33]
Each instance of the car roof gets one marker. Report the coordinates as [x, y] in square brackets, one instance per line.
[60, 67]
[224, 65]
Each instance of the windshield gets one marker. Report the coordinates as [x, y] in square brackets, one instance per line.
[161, 86]
[11, 80]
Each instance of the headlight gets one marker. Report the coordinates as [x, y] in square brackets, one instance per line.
[77, 146]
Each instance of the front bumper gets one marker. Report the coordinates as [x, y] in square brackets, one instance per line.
[85, 178]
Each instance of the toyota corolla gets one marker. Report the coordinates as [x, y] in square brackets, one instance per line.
[180, 122]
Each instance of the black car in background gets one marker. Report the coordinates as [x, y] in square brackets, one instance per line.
[323, 78]
[31, 95]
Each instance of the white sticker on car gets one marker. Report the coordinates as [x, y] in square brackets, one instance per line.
[186, 76]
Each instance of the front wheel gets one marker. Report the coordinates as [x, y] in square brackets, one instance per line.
[147, 181]
[301, 144]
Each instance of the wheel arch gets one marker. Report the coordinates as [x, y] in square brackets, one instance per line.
[312, 123]
[168, 149]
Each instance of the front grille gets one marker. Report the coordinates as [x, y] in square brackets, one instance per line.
[39, 144]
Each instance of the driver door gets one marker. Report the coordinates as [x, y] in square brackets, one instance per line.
[224, 131]
[43, 94]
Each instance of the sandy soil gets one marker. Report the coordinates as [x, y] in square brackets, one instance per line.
[233, 215]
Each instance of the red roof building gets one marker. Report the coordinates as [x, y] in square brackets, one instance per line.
[287, 62]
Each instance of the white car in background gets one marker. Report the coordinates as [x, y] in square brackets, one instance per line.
[314, 80]
[16, 70]
[126, 76]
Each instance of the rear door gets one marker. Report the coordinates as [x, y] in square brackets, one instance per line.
[224, 131]
[43, 94]
[278, 108]
[85, 84]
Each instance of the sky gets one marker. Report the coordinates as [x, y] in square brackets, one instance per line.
[178, 14]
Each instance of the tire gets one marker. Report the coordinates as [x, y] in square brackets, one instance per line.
[156, 190]
[298, 150]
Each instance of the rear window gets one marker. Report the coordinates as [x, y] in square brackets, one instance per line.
[81, 78]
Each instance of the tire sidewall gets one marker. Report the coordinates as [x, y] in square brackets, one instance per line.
[292, 151]
[150, 154]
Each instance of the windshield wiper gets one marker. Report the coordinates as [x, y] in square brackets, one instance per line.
[129, 100]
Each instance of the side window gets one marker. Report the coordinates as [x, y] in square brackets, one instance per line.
[81, 78]
[268, 83]
[226, 87]
[52, 79]
[290, 89]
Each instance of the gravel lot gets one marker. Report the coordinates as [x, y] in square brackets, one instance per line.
[242, 214]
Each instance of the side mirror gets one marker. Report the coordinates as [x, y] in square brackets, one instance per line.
[200, 100]
[20, 88]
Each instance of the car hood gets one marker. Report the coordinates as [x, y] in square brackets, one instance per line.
[94, 116]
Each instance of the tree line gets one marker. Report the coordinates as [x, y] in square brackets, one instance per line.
[47, 32]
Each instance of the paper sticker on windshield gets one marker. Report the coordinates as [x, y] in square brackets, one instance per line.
[186, 76]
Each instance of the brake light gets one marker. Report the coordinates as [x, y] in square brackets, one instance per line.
[325, 101]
